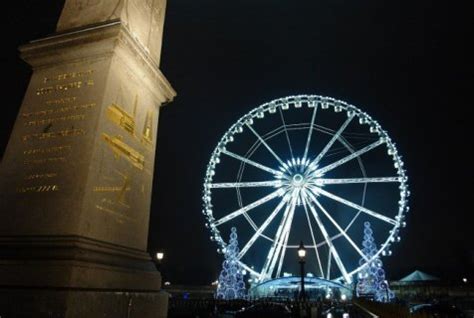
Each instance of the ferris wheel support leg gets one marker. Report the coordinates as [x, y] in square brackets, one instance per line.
[328, 274]
[288, 229]
[314, 241]
[338, 227]
[266, 273]
[271, 252]
[282, 257]
[281, 248]
[329, 242]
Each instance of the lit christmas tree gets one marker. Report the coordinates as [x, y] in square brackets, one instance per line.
[371, 280]
[231, 281]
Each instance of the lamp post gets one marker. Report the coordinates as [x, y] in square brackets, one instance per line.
[159, 258]
[302, 259]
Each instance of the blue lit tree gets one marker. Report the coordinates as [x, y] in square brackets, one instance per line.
[371, 279]
[231, 281]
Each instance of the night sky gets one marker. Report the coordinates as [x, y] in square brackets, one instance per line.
[407, 63]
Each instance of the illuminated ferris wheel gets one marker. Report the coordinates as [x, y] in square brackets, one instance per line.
[305, 168]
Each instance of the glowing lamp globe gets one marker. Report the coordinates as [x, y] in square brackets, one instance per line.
[301, 251]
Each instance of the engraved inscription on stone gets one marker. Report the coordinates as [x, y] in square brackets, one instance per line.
[113, 196]
[39, 188]
[64, 109]
[53, 119]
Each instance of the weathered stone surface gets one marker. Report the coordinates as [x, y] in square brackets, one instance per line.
[74, 262]
[143, 18]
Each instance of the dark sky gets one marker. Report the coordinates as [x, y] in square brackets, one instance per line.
[407, 63]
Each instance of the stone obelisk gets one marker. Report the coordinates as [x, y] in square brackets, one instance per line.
[76, 176]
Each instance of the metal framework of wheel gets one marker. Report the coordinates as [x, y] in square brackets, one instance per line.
[309, 168]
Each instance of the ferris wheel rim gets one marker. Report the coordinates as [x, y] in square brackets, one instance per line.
[339, 106]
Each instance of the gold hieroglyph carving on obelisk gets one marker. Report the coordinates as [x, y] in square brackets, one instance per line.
[76, 177]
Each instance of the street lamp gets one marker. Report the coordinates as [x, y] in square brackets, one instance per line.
[302, 259]
[159, 258]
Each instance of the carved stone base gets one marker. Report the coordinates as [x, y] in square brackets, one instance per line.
[74, 262]
[72, 276]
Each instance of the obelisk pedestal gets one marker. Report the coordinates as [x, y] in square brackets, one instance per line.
[76, 177]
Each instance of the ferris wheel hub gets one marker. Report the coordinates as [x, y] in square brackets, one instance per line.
[298, 174]
[298, 180]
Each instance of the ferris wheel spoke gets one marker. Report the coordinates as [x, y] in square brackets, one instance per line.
[333, 140]
[310, 132]
[354, 205]
[324, 181]
[314, 241]
[332, 249]
[273, 183]
[265, 144]
[271, 253]
[349, 157]
[321, 208]
[251, 222]
[248, 207]
[261, 229]
[286, 132]
[251, 162]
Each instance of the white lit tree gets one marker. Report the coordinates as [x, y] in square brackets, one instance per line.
[231, 281]
[371, 279]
